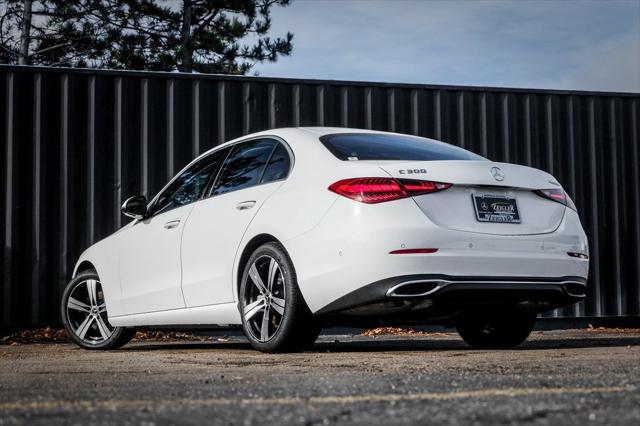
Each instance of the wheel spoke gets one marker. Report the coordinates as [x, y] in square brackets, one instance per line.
[273, 269]
[102, 308]
[253, 308]
[78, 305]
[93, 293]
[257, 280]
[82, 329]
[102, 327]
[264, 328]
[278, 305]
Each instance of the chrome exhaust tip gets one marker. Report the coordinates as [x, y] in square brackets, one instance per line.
[419, 288]
[575, 289]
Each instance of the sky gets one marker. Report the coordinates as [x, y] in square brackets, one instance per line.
[570, 44]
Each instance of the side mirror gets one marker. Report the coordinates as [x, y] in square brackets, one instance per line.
[135, 207]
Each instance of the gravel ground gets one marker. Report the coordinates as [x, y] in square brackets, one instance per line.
[557, 377]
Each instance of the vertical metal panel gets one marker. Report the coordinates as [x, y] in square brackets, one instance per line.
[117, 152]
[296, 105]
[483, 123]
[595, 235]
[195, 118]
[391, 109]
[246, 110]
[8, 276]
[37, 276]
[550, 132]
[271, 101]
[527, 138]
[571, 143]
[222, 134]
[144, 138]
[506, 136]
[91, 160]
[437, 108]
[415, 117]
[63, 227]
[634, 303]
[617, 288]
[77, 142]
[170, 129]
[344, 106]
[320, 105]
[461, 121]
[367, 108]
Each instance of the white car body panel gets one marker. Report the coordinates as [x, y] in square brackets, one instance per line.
[189, 275]
[222, 314]
[150, 262]
[209, 249]
[363, 257]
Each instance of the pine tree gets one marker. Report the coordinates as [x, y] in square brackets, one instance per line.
[219, 36]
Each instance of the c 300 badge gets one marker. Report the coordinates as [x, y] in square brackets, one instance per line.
[412, 171]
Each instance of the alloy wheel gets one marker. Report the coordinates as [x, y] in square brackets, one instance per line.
[264, 298]
[87, 312]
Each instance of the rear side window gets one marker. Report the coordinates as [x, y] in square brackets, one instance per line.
[244, 166]
[366, 146]
[279, 165]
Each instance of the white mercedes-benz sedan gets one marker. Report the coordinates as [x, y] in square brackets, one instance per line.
[287, 231]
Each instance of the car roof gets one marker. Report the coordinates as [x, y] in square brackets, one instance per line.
[321, 131]
[286, 132]
[297, 137]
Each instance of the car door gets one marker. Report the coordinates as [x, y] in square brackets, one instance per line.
[251, 172]
[149, 255]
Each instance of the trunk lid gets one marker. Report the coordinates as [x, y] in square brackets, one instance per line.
[484, 191]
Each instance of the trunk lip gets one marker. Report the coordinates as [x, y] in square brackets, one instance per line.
[472, 173]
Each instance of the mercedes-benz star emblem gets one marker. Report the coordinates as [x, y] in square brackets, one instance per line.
[497, 174]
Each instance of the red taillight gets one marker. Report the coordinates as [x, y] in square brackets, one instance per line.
[553, 194]
[418, 187]
[369, 190]
[558, 195]
[373, 190]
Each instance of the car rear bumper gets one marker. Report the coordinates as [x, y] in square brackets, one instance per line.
[421, 292]
[352, 248]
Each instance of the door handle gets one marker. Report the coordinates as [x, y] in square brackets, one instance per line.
[245, 205]
[172, 224]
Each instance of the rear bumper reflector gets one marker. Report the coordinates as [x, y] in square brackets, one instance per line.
[414, 251]
[578, 255]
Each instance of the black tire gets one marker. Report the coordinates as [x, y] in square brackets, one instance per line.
[295, 329]
[499, 330]
[92, 315]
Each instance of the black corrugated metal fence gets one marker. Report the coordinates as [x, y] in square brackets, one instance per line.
[75, 143]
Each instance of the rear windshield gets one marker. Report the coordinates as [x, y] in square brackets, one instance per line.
[373, 146]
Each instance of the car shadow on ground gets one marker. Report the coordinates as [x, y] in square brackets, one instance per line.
[397, 344]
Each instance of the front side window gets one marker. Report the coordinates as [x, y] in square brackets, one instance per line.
[374, 146]
[244, 166]
[189, 186]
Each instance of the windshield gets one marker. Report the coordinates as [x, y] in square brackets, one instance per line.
[376, 146]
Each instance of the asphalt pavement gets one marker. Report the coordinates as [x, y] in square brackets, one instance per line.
[557, 377]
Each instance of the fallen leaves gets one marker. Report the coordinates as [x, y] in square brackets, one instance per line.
[38, 335]
[612, 330]
[167, 336]
[399, 331]
[59, 335]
